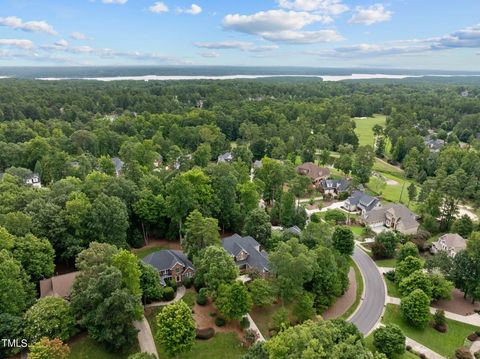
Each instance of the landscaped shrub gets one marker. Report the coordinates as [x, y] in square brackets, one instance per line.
[439, 321]
[168, 293]
[463, 353]
[198, 283]
[219, 322]
[280, 320]
[187, 282]
[202, 297]
[472, 337]
[244, 323]
[335, 215]
[389, 340]
[171, 283]
[316, 218]
[390, 275]
[205, 333]
[251, 336]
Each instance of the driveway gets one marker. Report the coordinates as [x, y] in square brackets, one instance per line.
[372, 305]
[145, 337]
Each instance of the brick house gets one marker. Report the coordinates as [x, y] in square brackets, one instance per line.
[171, 264]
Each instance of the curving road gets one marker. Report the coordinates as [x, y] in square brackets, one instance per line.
[371, 307]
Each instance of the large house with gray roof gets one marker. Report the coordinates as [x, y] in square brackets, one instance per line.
[361, 202]
[334, 187]
[246, 253]
[171, 264]
[392, 216]
[452, 243]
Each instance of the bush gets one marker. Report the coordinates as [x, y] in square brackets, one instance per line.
[219, 322]
[171, 283]
[389, 340]
[251, 336]
[439, 321]
[335, 215]
[463, 353]
[390, 275]
[415, 308]
[316, 218]
[385, 245]
[187, 282]
[205, 333]
[244, 323]
[280, 320]
[472, 337]
[202, 297]
[198, 283]
[168, 293]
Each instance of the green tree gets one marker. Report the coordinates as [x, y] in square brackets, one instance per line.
[200, 232]
[203, 155]
[233, 300]
[7, 240]
[11, 326]
[248, 197]
[336, 216]
[292, 265]
[363, 164]
[343, 240]
[262, 292]
[463, 226]
[127, 263]
[103, 306]
[49, 349]
[406, 250]
[17, 223]
[345, 160]
[287, 209]
[17, 291]
[385, 245]
[49, 317]
[412, 192]
[108, 220]
[441, 287]
[303, 309]
[407, 267]
[257, 225]
[389, 340]
[36, 256]
[95, 254]
[415, 308]
[176, 328]
[417, 280]
[150, 283]
[272, 174]
[215, 266]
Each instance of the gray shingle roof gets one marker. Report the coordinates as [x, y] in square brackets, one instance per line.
[363, 200]
[166, 259]
[226, 157]
[294, 230]
[341, 185]
[256, 258]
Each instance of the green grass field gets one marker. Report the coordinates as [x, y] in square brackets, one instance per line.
[364, 128]
[391, 262]
[392, 192]
[86, 348]
[392, 289]
[442, 343]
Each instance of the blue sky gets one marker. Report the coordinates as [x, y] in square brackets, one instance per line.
[413, 34]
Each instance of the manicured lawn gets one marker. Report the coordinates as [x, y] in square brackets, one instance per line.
[391, 263]
[443, 343]
[222, 345]
[357, 230]
[143, 252]
[392, 288]
[86, 348]
[406, 355]
[359, 292]
[385, 167]
[190, 297]
[392, 192]
[364, 128]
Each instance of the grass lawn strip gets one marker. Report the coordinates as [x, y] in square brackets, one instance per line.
[442, 343]
[359, 292]
[87, 348]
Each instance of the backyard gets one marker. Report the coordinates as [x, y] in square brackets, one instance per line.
[443, 343]
[82, 347]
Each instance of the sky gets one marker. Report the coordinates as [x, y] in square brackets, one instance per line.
[405, 34]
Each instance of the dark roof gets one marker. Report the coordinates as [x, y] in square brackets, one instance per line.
[363, 200]
[58, 286]
[341, 185]
[226, 157]
[256, 258]
[294, 230]
[166, 259]
[313, 171]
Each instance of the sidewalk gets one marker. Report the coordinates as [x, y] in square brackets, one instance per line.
[254, 327]
[473, 319]
[180, 293]
[145, 337]
[430, 354]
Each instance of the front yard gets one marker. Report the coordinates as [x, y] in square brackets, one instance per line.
[442, 343]
[82, 347]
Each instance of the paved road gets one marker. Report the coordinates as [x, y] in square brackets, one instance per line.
[371, 307]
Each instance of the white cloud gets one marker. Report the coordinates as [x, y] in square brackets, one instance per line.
[121, 2]
[209, 54]
[61, 43]
[282, 26]
[238, 45]
[194, 9]
[78, 35]
[158, 7]
[370, 15]
[270, 21]
[16, 23]
[304, 37]
[332, 7]
[20, 43]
